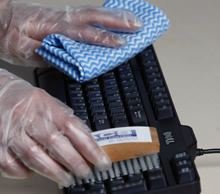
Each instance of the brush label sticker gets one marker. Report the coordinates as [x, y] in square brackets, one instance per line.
[122, 135]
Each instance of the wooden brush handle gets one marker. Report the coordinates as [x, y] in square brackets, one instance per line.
[124, 151]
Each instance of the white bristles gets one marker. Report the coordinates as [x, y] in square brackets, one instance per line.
[86, 181]
[104, 175]
[142, 163]
[74, 181]
[116, 169]
[111, 173]
[149, 163]
[136, 165]
[79, 181]
[92, 179]
[129, 167]
[122, 168]
[97, 174]
[155, 160]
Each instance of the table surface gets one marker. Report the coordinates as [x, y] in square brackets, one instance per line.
[189, 56]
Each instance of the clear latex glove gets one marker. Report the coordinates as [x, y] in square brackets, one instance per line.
[23, 26]
[39, 133]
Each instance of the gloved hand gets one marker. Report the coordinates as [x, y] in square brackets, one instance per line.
[23, 26]
[39, 133]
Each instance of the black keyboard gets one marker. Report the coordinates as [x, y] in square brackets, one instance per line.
[133, 94]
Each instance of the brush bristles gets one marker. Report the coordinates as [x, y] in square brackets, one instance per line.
[122, 168]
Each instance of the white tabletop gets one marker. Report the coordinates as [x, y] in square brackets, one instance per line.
[189, 54]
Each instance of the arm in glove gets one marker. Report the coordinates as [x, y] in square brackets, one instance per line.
[23, 26]
[39, 133]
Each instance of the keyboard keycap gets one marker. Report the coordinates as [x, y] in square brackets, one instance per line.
[101, 122]
[156, 179]
[97, 188]
[185, 174]
[138, 116]
[120, 122]
[133, 187]
[182, 167]
[164, 112]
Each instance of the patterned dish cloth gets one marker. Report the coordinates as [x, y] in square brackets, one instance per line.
[83, 62]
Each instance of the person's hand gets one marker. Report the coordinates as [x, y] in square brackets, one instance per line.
[23, 26]
[39, 133]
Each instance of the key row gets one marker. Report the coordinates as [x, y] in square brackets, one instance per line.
[155, 85]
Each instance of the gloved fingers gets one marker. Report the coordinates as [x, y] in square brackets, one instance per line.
[83, 33]
[76, 130]
[37, 160]
[11, 167]
[114, 19]
[24, 48]
[58, 146]
[92, 35]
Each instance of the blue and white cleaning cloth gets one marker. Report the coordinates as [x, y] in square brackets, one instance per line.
[83, 62]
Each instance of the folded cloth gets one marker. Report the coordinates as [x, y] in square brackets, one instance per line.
[83, 62]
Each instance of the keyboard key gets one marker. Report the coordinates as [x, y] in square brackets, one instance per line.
[126, 83]
[151, 70]
[74, 86]
[155, 83]
[181, 156]
[130, 187]
[96, 104]
[161, 102]
[124, 67]
[135, 105]
[92, 94]
[156, 179]
[160, 95]
[76, 94]
[101, 122]
[98, 110]
[136, 177]
[113, 91]
[120, 123]
[126, 76]
[77, 100]
[96, 188]
[164, 112]
[185, 174]
[85, 118]
[146, 56]
[78, 104]
[131, 96]
[118, 117]
[157, 90]
[117, 111]
[138, 116]
[95, 99]
[130, 89]
[110, 81]
[154, 75]
[182, 167]
[93, 81]
[150, 63]
[108, 75]
[113, 98]
[116, 103]
[73, 190]
[80, 110]
[133, 101]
